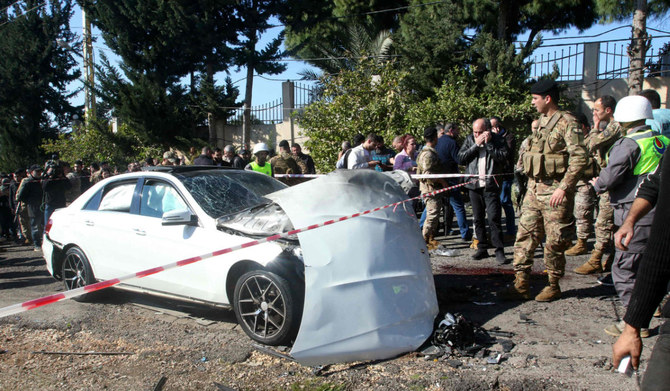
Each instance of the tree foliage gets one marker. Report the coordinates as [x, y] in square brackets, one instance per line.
[35, 72]
[96, 142]
[353, 103]
[160, 43]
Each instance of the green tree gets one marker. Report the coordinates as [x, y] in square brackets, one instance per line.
[334, 34]
[160, 43]
[431, 42]
[355, 102]
[254, 18]
[637, 49]
[35, 72]
[461, 100]
[507, 19]
[96, 143]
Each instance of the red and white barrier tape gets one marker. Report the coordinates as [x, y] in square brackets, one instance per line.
[413, 176]
[42, 301]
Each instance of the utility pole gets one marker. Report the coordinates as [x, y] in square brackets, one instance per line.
[89, 72]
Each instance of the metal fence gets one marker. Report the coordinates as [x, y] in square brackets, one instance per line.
[612, 60]
[266, 114]
[567, 58]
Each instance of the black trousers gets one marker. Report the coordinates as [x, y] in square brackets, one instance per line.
[657, 376]
[486, 207]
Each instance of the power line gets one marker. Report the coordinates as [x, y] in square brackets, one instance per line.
[11, 5]
[23, 14]
[376, 12]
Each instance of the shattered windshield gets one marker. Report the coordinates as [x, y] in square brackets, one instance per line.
[222, 192]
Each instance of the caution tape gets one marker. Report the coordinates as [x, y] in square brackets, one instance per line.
[413, 176]
[42, 301]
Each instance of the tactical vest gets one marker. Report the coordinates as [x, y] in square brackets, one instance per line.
[544, 160]
[652, 146]
[265, 169]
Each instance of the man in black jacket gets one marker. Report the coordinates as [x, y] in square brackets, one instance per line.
[652, 279]
[30, 193]
[485, 153]
[54, 185]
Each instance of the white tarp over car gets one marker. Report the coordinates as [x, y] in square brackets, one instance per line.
[369, 289]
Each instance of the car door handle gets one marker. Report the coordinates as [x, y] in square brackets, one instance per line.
[89, 223]
[139, 232]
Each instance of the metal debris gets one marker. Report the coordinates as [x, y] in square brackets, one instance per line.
[495, 359]
[272, 352]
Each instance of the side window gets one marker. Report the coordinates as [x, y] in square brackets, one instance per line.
[159, 197]
[117, 198]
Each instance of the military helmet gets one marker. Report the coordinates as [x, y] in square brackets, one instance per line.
[633, 108]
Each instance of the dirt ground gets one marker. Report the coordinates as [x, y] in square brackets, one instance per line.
[127, 341]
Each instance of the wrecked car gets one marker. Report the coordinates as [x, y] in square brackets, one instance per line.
[359, 289]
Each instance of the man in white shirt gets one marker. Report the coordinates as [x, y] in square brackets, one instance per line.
[359, 157]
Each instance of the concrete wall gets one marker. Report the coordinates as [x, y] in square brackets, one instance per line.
[271, 134]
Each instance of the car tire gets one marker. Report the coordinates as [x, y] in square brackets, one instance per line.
[266, 307]
[77, 272]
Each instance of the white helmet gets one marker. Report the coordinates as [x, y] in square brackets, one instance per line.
[260, 147]
[633, 108]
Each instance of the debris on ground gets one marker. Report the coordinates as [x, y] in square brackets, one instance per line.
[455, 336]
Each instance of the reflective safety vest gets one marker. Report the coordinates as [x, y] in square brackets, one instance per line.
[652, 145]
[264, 169]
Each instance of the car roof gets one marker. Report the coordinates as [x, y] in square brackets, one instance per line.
[181, 169]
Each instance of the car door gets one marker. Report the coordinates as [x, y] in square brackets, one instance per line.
[158, 244]
[104, 231]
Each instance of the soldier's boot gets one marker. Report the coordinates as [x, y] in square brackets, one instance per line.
[578, 249]
[474, 244]
[434, 243]
[430, 242]
[519, 290]
[592, 265]
[607, 262]
[551, 292]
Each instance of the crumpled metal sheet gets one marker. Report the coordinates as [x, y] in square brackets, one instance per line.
[369, 289]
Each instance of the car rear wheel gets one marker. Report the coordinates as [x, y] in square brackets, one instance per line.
[77, 272]
[266, 307]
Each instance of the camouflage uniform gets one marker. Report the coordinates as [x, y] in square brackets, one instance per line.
[429, 163]
[285, 163]
[555, 159]
[585, 198]
[598, 144]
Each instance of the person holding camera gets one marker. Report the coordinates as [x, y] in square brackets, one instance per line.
[54, 186]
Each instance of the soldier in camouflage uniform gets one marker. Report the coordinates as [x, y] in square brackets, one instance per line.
[585, 197]
[553, 163]
[428, 162]
[598, 143]
[284, 162]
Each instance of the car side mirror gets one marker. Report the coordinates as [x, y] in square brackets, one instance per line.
[179, 217]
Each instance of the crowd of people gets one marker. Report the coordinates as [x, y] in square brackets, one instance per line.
[579, 179]
[576, 179]
[28, 196]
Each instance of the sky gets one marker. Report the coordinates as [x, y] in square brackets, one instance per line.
[267, 88]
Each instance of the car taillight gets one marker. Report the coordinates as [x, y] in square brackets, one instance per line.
[47, 227]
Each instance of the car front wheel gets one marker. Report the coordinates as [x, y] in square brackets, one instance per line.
[266, 307]
[77, 272]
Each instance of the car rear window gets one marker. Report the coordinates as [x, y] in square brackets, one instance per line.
[222, 192]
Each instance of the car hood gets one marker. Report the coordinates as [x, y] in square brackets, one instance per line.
[369, 289]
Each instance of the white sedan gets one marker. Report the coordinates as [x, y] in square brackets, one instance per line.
[358, 289]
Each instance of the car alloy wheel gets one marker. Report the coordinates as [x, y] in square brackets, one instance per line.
[264, 307]
[77, 271]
